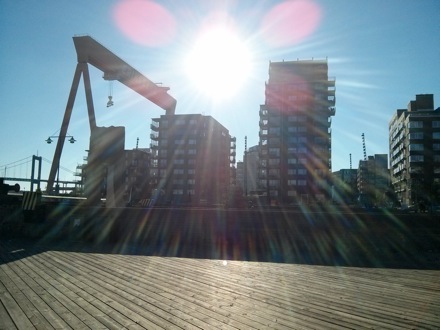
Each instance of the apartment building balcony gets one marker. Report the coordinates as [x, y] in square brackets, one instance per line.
[331, 100]
[263, 133]
[264, 113]
[154, 144]
[154, 136]
[264, 123]
[154, 126]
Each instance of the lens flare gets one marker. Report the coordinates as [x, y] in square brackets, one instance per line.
[290, 22]
[145, 22]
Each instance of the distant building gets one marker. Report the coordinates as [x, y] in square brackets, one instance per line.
[239, 175]
[345, 186]
[137, 174]
[193, 154]
[373, 179]
[414, 143]
[252, 161]
[295, 133]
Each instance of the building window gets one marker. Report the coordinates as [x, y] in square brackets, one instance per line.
[292, 161]
[292, 129]
[179, 152]
[274, 171]
[191, 171]
[274, 152]
[302, 129]
[192, 141]
[291, 182]
[436, 158]
[302, 171]
[436, 135]
[274, 183]
[417, 136]
[177, 191]
[302, 183]
[191, 151]
[415, 124]
[416, 158]
[436, 123]
[178, 171]
[178, 161]
[178, 181]
[273, 161]
[191, 192]
[274, 130]
[163, 142]
[436, 146]
[292, 171]
[180, 121]
[179, 141]
[414, 146]
[191, 181]
[163, 163]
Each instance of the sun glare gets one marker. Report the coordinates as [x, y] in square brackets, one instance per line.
[219, 63]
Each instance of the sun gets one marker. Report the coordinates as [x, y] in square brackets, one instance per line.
[219, 63]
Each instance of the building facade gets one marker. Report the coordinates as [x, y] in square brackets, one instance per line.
[345, 186]
[252, 162]
[373, 180]
[295, 132]
[414, 146]
[192, 162]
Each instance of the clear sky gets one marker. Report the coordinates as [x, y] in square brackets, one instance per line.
[381, 53]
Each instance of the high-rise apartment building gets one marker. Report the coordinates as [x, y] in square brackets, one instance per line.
[193, 154]
[295, 133]
[414, 144]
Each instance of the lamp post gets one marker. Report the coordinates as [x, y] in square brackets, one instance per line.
[49, 141]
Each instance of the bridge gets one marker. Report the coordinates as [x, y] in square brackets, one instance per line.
[29, 170]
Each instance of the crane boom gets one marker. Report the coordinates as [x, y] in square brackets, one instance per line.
[114, 68]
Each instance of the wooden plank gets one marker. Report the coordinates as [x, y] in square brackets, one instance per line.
[147, 292]
[106, 315]
[73, 302]
[14, 310]
[5, 319]
[100, 279]
[32, 312]
[229, 305]
[64, 315]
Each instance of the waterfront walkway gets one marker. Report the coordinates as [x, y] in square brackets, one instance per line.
[81, 286]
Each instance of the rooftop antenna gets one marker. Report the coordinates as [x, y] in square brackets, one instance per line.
[245, 166]
[350, 162]
[137, 143]
[363, 146]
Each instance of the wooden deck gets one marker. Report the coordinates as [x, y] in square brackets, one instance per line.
[48, 287]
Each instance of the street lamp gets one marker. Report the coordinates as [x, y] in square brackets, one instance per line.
[49, 140]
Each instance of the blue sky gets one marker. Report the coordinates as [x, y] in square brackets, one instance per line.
[381, 53]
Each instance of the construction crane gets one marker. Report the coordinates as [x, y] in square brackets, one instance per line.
[363, 146]
[89, 51]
